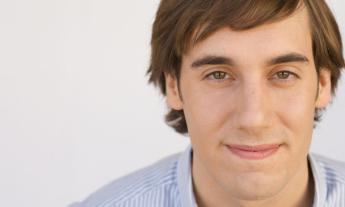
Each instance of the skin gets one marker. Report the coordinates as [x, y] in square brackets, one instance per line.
[254, 99]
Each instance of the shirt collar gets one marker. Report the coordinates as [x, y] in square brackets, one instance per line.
[184, 174]
[186, 187]
[320, 185]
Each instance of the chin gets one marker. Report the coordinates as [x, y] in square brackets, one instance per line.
[258, 186]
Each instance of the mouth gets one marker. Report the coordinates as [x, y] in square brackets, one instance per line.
[254, 152]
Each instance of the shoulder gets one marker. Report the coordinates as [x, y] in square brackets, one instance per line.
[154, 185]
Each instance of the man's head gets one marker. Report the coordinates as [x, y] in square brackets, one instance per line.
[180, 25]
[244, 78]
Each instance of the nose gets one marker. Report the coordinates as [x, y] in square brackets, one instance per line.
[254, 108]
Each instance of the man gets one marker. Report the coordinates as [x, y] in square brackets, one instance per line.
[247, 81]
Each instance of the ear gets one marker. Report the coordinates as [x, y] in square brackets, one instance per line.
[172, 92]
[324, 93]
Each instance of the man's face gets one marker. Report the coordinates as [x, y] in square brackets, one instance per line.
[249, 99]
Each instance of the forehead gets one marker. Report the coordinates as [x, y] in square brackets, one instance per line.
[291, 34]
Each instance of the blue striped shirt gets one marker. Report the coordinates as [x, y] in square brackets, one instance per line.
[168, 183]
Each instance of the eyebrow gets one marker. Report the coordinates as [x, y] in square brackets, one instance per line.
[212, 60]
[288, 58]
[221, 60]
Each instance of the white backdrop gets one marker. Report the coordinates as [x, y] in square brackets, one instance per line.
[75, 108]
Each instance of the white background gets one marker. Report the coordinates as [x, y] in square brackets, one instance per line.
[75, 108]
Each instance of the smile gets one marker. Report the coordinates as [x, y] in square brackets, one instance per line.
[255, 152]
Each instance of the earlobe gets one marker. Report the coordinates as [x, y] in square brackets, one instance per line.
[324, 93]
[173, 97]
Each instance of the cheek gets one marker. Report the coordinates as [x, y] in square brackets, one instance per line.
[206, 111]
[295, 111]
[297, 105]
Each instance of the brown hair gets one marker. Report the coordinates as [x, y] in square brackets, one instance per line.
[180, 24]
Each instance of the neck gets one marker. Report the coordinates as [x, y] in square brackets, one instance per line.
[298, 192]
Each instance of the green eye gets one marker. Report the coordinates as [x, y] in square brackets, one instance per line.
[218, 75]
[283, 74]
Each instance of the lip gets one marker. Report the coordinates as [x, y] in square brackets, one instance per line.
[254, 152]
